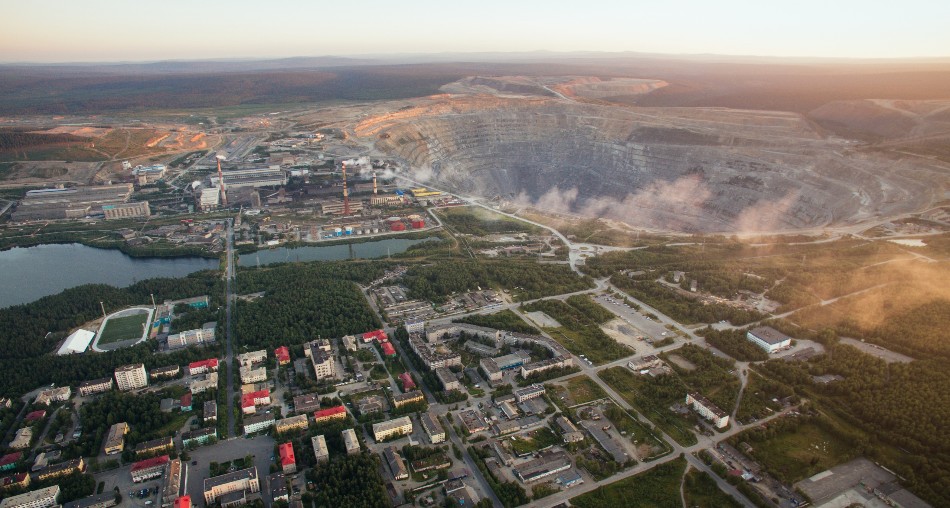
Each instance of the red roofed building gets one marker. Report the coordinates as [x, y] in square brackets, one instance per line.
[186, 402]
[250, 401]
[149, 468]
[182, 502]
[287, 460]
[375, 335]
[202, 366]
[388, 349]
[9, 460]
[283, 355]
[33, 416]
[21, 480]
[333, 413]
[407, 382]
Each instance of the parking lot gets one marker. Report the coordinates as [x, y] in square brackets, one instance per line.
[261, 447]
[635, 325]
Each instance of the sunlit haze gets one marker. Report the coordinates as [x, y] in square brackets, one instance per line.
[113, 30]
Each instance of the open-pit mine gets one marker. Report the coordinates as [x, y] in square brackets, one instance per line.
[567, 146]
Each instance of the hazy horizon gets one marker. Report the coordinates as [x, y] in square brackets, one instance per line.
[104, 31]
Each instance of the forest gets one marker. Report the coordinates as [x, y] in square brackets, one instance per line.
[901, 406]
[33, 331]
[304, 301]
[434, 282]
[735, 344]
[479, 222]
[349, 480]
[141, 412]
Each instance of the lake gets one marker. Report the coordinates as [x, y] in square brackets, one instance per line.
[27, 274]
[364, 250]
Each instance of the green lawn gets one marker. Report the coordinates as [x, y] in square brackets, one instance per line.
[657, 488]
[537, 440]
[583, 389]
[800, 452]
[580, 329]
[123, 328]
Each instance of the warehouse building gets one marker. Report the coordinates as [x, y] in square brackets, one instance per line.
[127, 210]
[769, 339]
[77, 342]
[70, 202]
[251, 177]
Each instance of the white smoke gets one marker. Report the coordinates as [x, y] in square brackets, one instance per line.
[423, 173]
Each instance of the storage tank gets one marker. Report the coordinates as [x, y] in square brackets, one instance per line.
[418, 224]
[349, 230]
[391, 220]
[397, 226]
[337, 231]
[375, 230]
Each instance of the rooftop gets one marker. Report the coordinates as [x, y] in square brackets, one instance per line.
[249, 474]
[769, 335]
[148, 463]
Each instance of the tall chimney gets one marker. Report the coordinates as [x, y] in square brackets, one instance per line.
[224, 196]
[374, 183]
[346, 194]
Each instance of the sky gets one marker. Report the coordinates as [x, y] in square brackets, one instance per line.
[123, 30]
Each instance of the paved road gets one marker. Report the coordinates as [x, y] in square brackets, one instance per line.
[229, 275]
[439, 409]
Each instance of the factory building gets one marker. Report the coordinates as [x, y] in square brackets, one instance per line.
[339, 207]
[127, 210]
[149, 174]
[71, 202]
[209, 198]
[251, 177]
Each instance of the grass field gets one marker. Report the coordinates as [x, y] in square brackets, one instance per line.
[801, 452]
[657, 488]
[649, 446]
[580, 330]
[583, 389]
[652, 397]
[123, 328]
